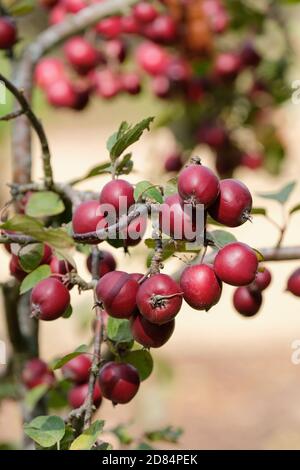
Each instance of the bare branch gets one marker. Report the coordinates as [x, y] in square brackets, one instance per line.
[13, 115]
[36, 124]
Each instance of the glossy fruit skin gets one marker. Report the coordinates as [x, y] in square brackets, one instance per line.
[131, 83]
[173, 163]
[246, 301]
[107, 263]
[87, 218]
[117, 290]
[78, 394]
[175, 221]
[8, 33]
[236, 264]
[149, 334]
[119, 382]
[78, 369]
[47, 71]
[152, 58]
[49, 299]
[159, 311]
[262, 280]
[200, 286]
[197, 184]
[113, 191]
[81, 54]
[144, 12]
[36, 372]
[233, 205]
[293, 284]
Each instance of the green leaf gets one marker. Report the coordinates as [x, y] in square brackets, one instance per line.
[258, 211]
[45, 430]
[125, 166]
[167, 434]
[103, 446]
[97, 170]
[44, 204]
[57, 398]
[63, 360]
[118, 330]
[141, 360]
[126, 136]
[282, 195]
[68, 312]
[22, 8]
[295, 209]
[40, 273]
[146, 190]
[34, 395]
[221, 237]
[30, 256]
[57, 237]
[171, 187]
[122, 434]
[87, 439]
[144, 446]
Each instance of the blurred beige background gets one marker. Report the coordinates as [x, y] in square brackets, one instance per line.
[230, 382]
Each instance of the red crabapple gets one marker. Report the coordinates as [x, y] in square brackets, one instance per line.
[236, 264]
[117, 291]
[131, 83]
[110, 27]
[48, 71]
[113, 191]
[81, 54]
[87, 217]
[173, 162]
[293, 284]
[262, 280]
[107, 263]
[8, 32]
[200, 286]
[144, 12]
[197, 184]
[233, 205]
[175, 221]
[246, 301]
[61, 94]
[159, 299]
[148, 334]
[119, 382]
[36, 372]
[78, 394]
[78, 369]
[152, 58]
[49, 299]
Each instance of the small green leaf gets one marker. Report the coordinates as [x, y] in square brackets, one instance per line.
[102, 169]
[118, 330]
[122, 434]
[144, 446]
[30, 256]
[68, 312]
[34, 395]
[126, 136]
[295, 209]
[87, 439]
[141, 360]
[40, 273]
[171, 187]
[22, 8]
[44, 204]
[45, 430]
[125, 166]
[146, 190]
[221, 237]
[167, 434]
[62, 361]
[282, 195]
[258, 211]
[103, 446]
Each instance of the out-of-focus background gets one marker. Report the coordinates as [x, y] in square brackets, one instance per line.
[228, 381]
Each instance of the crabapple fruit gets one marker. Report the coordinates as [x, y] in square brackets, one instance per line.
[246, 301]
[200, 286]
[36, 372]
[119, 382]
[78, 394]
[81, 54]
[88, 218]
[233, 205]
[117, 290]
[236, 264]
[8, 32]
[152, 58]
[197, 184]
[107, 263]
[113, 191]
[262, 280]
[293, 284]
[159, 299]
[150, 335]
[49, 299]
[175, 221]
[144, 12]
[78, 369]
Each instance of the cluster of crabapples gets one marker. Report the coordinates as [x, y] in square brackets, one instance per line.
[162, 51]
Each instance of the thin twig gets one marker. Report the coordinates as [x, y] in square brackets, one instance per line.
[13, 115]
